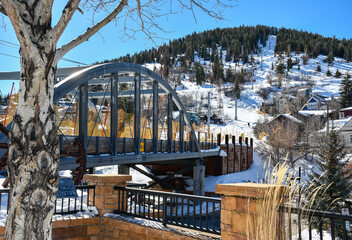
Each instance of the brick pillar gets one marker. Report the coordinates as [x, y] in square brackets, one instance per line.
[106, 198]
[242, 207]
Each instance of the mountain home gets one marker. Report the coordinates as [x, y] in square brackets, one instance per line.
[346, 133]
[316, 102]
[290, 101]
[343, 126]
[287, 121]
[287, 103]
[345, 113]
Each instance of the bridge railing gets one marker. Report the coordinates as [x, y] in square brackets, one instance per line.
[62, 205]
[188, 211]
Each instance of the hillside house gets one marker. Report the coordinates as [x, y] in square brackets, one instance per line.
[345, 113]
[346, 133]
[269, 106]
[290, 101]
[316, 102]
[287, 121]
[344, 126]
[304, 92]
[287, 103]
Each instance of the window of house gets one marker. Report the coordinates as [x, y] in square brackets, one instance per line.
[342, 114]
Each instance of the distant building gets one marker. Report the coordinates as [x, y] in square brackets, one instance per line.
[346, 133]
[287, 121]
[345, 113]
[287, 103]
[316, 102]
[290, 101]
[343, 126]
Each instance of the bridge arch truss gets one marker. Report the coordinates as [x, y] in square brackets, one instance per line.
[143, 120]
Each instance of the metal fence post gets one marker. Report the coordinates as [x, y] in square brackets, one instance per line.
[164, 209]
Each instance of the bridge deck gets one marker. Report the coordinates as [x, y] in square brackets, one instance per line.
[99, 152]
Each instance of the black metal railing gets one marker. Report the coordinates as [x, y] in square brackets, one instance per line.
[314, 224]
[189, 211]
[4, 200]
[62, 205]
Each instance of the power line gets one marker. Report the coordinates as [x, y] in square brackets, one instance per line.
[8, 55]
[8, 44]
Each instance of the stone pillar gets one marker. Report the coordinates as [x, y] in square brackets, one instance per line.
[124, 169]
[249, 210]
[198, 180]
[106, 198]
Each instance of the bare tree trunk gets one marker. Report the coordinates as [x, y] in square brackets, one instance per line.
[34, 150]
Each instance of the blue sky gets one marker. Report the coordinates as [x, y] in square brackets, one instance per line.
[329, 18]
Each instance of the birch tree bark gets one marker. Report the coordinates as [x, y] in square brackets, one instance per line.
[33, 159]
[34, 151]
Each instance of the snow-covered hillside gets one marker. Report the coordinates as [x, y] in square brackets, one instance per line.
[250, 102]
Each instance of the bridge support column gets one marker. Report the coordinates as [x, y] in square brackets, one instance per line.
[199, 178]
[124, 169]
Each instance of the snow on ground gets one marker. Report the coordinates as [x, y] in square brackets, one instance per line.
[315, 235]
[255, 172]
[137, 177]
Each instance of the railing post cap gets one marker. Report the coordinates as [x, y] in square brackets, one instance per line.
[247, 189]
[111, 178]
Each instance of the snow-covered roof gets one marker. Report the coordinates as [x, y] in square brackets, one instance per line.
[292, 118]
[288, 96]
[346, 109]
[338, 124]
[314, 112]
[288, 116]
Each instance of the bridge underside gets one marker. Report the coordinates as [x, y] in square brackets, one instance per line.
[148, 158]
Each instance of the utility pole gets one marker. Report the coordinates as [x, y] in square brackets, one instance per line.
[209, 98]
[252, 76]
[208, 112]
[235, 108]
[327, 120]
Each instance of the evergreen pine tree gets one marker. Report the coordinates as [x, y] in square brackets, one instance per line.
[337, 74]
[200, 75]
[346, 92]
[245, 57]
[280, 68]
[330, 58]
[229, 75]
[289, 63]
[228, 56]
[333, 175]
[318, 68]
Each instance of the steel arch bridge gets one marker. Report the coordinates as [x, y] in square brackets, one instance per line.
[124, 114]
[143, 87]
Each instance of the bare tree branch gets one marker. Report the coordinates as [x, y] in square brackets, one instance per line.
[2, 10]
[90, 32]
[67, 13]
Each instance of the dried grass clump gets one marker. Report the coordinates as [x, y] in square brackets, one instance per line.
[269, 220]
